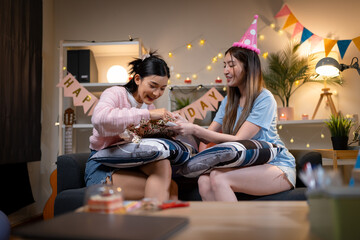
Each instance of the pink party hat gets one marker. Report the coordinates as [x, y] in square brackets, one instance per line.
[249, 40]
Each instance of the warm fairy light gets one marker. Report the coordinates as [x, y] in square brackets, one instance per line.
[272, 25]
[214, 59]
[64, 68]
[261, 37]
[291, 140]
[201, 42]
[170, 54]
[199, 87]
[57, 124]
[189, 46]
[194, 76]
[281, 32]
[178, 75]
[335, 93]
[280, 127]
[297, 82]
[220, 55]
[224, 89]
[308, 145]
[265, 55]
[322, 136]
[208, 67]
[169, 82]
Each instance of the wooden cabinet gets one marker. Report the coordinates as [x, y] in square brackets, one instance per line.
[90, 62]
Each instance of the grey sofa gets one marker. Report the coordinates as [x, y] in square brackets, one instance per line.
[71, 186]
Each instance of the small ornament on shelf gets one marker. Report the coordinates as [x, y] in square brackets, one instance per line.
[187, 80]
[218, 80]
[304, 116]
[283, 117]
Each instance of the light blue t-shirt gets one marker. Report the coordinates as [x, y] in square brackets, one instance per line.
[263, 114]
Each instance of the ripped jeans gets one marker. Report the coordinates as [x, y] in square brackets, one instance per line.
[96, 173]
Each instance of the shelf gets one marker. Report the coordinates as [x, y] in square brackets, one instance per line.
[192, 86]
[291, 122]
[81, 125]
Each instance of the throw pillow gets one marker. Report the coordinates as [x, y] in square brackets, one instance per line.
[145, 151]
[228, 155]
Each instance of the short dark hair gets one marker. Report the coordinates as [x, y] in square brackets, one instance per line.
[153, 64]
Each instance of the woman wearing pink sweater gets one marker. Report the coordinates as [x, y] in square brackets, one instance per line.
[120, 107]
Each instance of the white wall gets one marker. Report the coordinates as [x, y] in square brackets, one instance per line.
[166, 25]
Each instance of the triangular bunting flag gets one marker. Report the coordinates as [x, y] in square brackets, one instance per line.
[283, 12]
[305, 35]
[298, 28]
[189, 112]
[343, 45]
[290, 21]
[92, 108]
[314, 41]
[357, 42]
[328, 44]
[200, 109]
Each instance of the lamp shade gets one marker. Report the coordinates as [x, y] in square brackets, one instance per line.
[328, 67]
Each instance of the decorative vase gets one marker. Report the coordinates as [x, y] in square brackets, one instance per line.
[340, 142]
[285, 113]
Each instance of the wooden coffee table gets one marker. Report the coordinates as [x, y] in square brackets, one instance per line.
[243, 220]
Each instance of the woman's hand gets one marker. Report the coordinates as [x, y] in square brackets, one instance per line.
[160, 113]
[184, 128]
[179, 118]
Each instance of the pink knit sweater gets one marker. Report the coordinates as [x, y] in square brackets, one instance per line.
[112, 114]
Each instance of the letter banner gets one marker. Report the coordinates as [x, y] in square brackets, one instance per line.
[198, 109]
[81, 96]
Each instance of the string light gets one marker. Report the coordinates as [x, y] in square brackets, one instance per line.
[261, 37]
[214, 59]
[322, 136]
[224, 89]
[280, 127]
[272, 25]
[201, 42]
[194, 76]
[170, 54]
[209, 67]
[169, 82]
[220, 55]
[281, 32]
[297, 82]
[265, 55]
[308, 145]
[292, 140]
[178, 76]
[189, 46]
[64, 68]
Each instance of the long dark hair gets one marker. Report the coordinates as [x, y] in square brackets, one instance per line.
[253, 84]
[151, 64]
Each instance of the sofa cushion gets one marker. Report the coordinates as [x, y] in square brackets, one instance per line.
[230, 154]
[147, 150]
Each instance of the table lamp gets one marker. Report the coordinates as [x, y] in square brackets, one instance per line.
[330, 67]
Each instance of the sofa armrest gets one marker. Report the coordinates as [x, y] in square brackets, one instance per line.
[302, 157]
[71, 170]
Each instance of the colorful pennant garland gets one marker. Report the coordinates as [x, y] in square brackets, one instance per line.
[313, 38]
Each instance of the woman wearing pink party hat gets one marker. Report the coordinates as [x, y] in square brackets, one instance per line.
[247, 112]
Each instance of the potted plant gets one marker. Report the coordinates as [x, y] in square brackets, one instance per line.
[339, 127]
[287, 71]
[181, 102]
